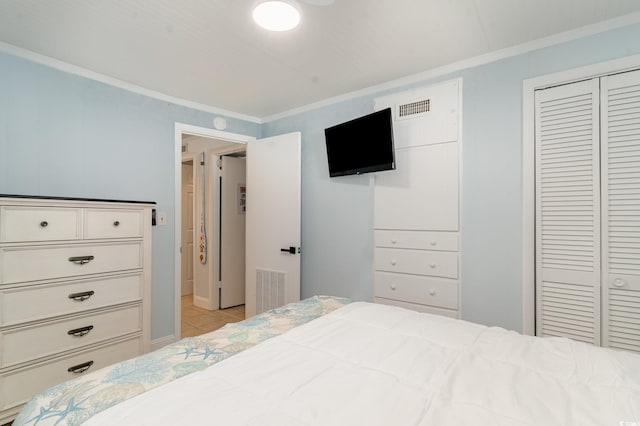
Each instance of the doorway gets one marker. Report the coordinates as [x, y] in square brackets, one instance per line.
[272, 250]
[214, 197]
[198, 292]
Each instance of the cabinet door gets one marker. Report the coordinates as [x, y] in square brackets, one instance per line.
[422, 193]
[567, 211]
[621, 210]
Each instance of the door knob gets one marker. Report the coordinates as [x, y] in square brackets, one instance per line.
[619, 282]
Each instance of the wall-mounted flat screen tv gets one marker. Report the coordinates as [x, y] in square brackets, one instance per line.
[362, 145]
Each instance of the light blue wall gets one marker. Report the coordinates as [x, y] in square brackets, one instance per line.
[64, 135]
[337, 220]
[337, 214]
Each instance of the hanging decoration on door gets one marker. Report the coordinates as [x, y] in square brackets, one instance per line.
[242, 198]
[202, 239]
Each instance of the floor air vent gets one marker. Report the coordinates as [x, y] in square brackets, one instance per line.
[413, 108]
[270, 289]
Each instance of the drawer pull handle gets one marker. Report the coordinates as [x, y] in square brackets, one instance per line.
[80, 368]
[393, 241]
[432, 292]
[433, 243]
[393, 262]
[81, 297]
[116, 223]
[432, 265]
[79, 332]
[44, 224]
[81, 260]
[393, 287]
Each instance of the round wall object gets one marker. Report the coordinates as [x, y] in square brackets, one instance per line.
[220, 123]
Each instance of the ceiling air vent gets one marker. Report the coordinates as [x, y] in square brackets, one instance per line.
[414, 108]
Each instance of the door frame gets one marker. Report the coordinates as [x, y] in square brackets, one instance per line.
[529, 87]
[180, 130]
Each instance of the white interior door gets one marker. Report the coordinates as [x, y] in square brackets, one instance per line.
[567, 213]
[621, 210]
[187, 229]
[231, 229]
[272, 222]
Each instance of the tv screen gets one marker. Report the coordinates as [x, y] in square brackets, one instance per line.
[362, 145]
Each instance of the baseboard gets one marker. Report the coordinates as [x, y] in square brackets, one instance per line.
[161, 342]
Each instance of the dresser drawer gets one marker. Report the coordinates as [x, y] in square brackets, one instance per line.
[418, 308]
[18, 264]
[113, 223]
[426, 240]
[37, 341]
[25, 223]
[420, 262]
[18, 386]
[438, 292]
[38, 302]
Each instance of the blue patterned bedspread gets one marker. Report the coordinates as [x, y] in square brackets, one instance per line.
[73, 402]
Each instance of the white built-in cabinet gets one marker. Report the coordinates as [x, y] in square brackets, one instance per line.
[75, 284]
[416, 207]
[588, 211]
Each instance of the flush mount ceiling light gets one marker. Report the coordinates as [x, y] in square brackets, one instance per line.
[277, 15]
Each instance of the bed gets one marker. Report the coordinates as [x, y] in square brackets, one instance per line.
[325, 361]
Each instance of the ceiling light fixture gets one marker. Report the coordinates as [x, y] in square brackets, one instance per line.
[277, 15]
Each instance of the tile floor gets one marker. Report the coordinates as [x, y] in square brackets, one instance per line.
[197, 321]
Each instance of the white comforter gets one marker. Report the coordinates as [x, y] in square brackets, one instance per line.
[368, 364]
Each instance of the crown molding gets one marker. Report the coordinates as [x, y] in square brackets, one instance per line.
[555, 39]
[111, 81]
[433, 73]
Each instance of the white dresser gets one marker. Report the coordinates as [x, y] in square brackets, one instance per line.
[75, 282]
[416, 208]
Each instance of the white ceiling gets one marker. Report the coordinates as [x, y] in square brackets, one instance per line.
[210, 52]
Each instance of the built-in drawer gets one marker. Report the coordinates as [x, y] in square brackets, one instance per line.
[18, 386]
[438, 292]
[28, 343]
[24, 223]
[417, 307]
[426, 240]
[113, 223]
[420, 262]
[19, 264]
[36, 302]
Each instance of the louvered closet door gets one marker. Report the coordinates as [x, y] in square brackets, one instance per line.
[567, 212]
[621, 210]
